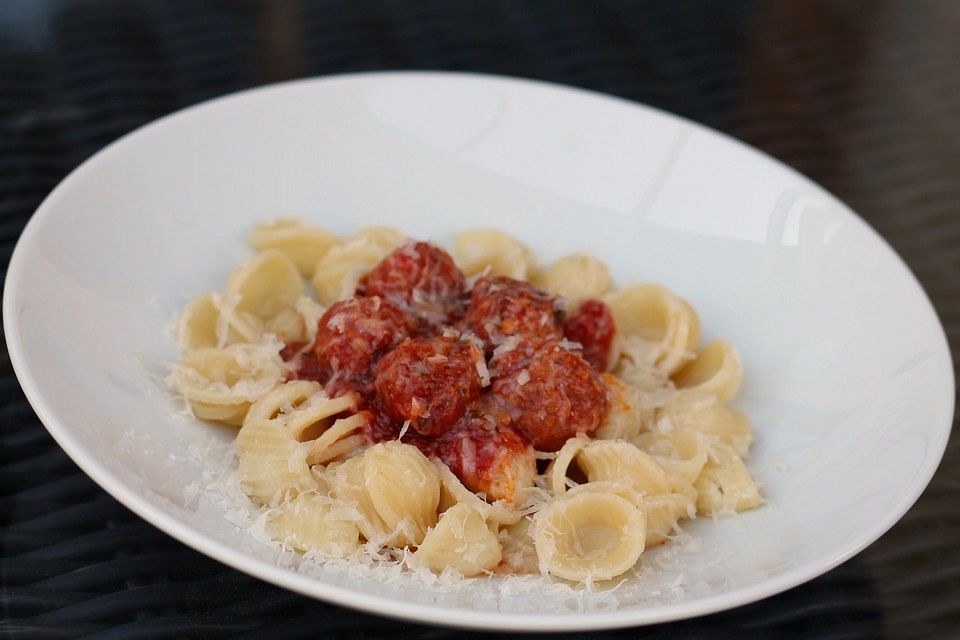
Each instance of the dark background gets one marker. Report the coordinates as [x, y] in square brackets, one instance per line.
[863, 97]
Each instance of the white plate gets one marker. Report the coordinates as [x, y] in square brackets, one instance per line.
[847, 374]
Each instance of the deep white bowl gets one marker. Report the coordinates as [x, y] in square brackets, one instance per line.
[847, 374]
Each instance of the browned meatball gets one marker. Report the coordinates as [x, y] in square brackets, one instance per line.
[430, 382]
[554, 397]
[593, 327]
[502, 307]
[353, 335]
[487, 456]
[420, 277]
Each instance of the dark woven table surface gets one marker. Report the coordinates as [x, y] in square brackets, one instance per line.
[863, 97]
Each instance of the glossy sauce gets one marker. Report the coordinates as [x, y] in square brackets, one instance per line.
[479, 377]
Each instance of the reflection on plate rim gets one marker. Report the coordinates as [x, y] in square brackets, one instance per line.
[392, 607]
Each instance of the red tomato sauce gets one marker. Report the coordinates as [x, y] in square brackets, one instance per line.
[477, 378]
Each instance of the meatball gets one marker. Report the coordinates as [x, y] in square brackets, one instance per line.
[420, 277]
[430, 382]
[353, 335]
[592, 325]
[555, 397]
[502, 307]
[487, 456]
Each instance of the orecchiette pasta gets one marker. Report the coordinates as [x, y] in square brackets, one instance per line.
[681, 452]
[667, 324]
[337, 471]
[212, 320]
[452, 492]
[272, 465]
[589, 536]
[725, 485]
[314, 522]
[576, 278]
[300, 242]
[339, 270]
[706, 414]
[482, 249]
[266, 284]
[403, 488]
[461, 541]
[220, 384]
[627, 414]
[619, 460]
[715, 370]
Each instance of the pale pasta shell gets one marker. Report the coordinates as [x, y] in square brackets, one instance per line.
[664, 513]
[725, 485]
[453, 492]
[403, 488]
[619, 460]
[708, 415]
[461, 541]
[266, 284]
[589, 536]
[576, 278]
[715, 370]
[480, 250]
[347, 486]
[197, 328]
[519, 555]
[213, 321]
[272, 464]
[557, 471]
[234, 375]
[627, 414]
[653, 314]
[312, 522]
[229, 414]
[681, 452]
[340, 269]
[302, 243]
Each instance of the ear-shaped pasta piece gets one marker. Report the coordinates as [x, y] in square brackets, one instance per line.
[725, 485]
[452, 492]
[310, 312]
[340, 269]
[229, 414]
[519, 555]
[197, 328]
[557, 471]
[480, 249]
[302, 408]
[461, 541]
[715, 370]
[266, 284]
[589, 535]
[213, 321]
[575, 278]
[347, 486]
[664, 513]
[619, 460]
[667, 323]
[403, 488]
[271, 463]
[287, 325]
[681, 452]
[627, 415]
[302, 243]
[235, 376]
[312, 522]
[708, 415]
[386, 239]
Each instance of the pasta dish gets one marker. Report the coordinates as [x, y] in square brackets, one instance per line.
[473, 412]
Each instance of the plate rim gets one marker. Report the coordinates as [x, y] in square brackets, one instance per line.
[394, 607]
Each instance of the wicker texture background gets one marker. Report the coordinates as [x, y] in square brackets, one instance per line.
[863, 97]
